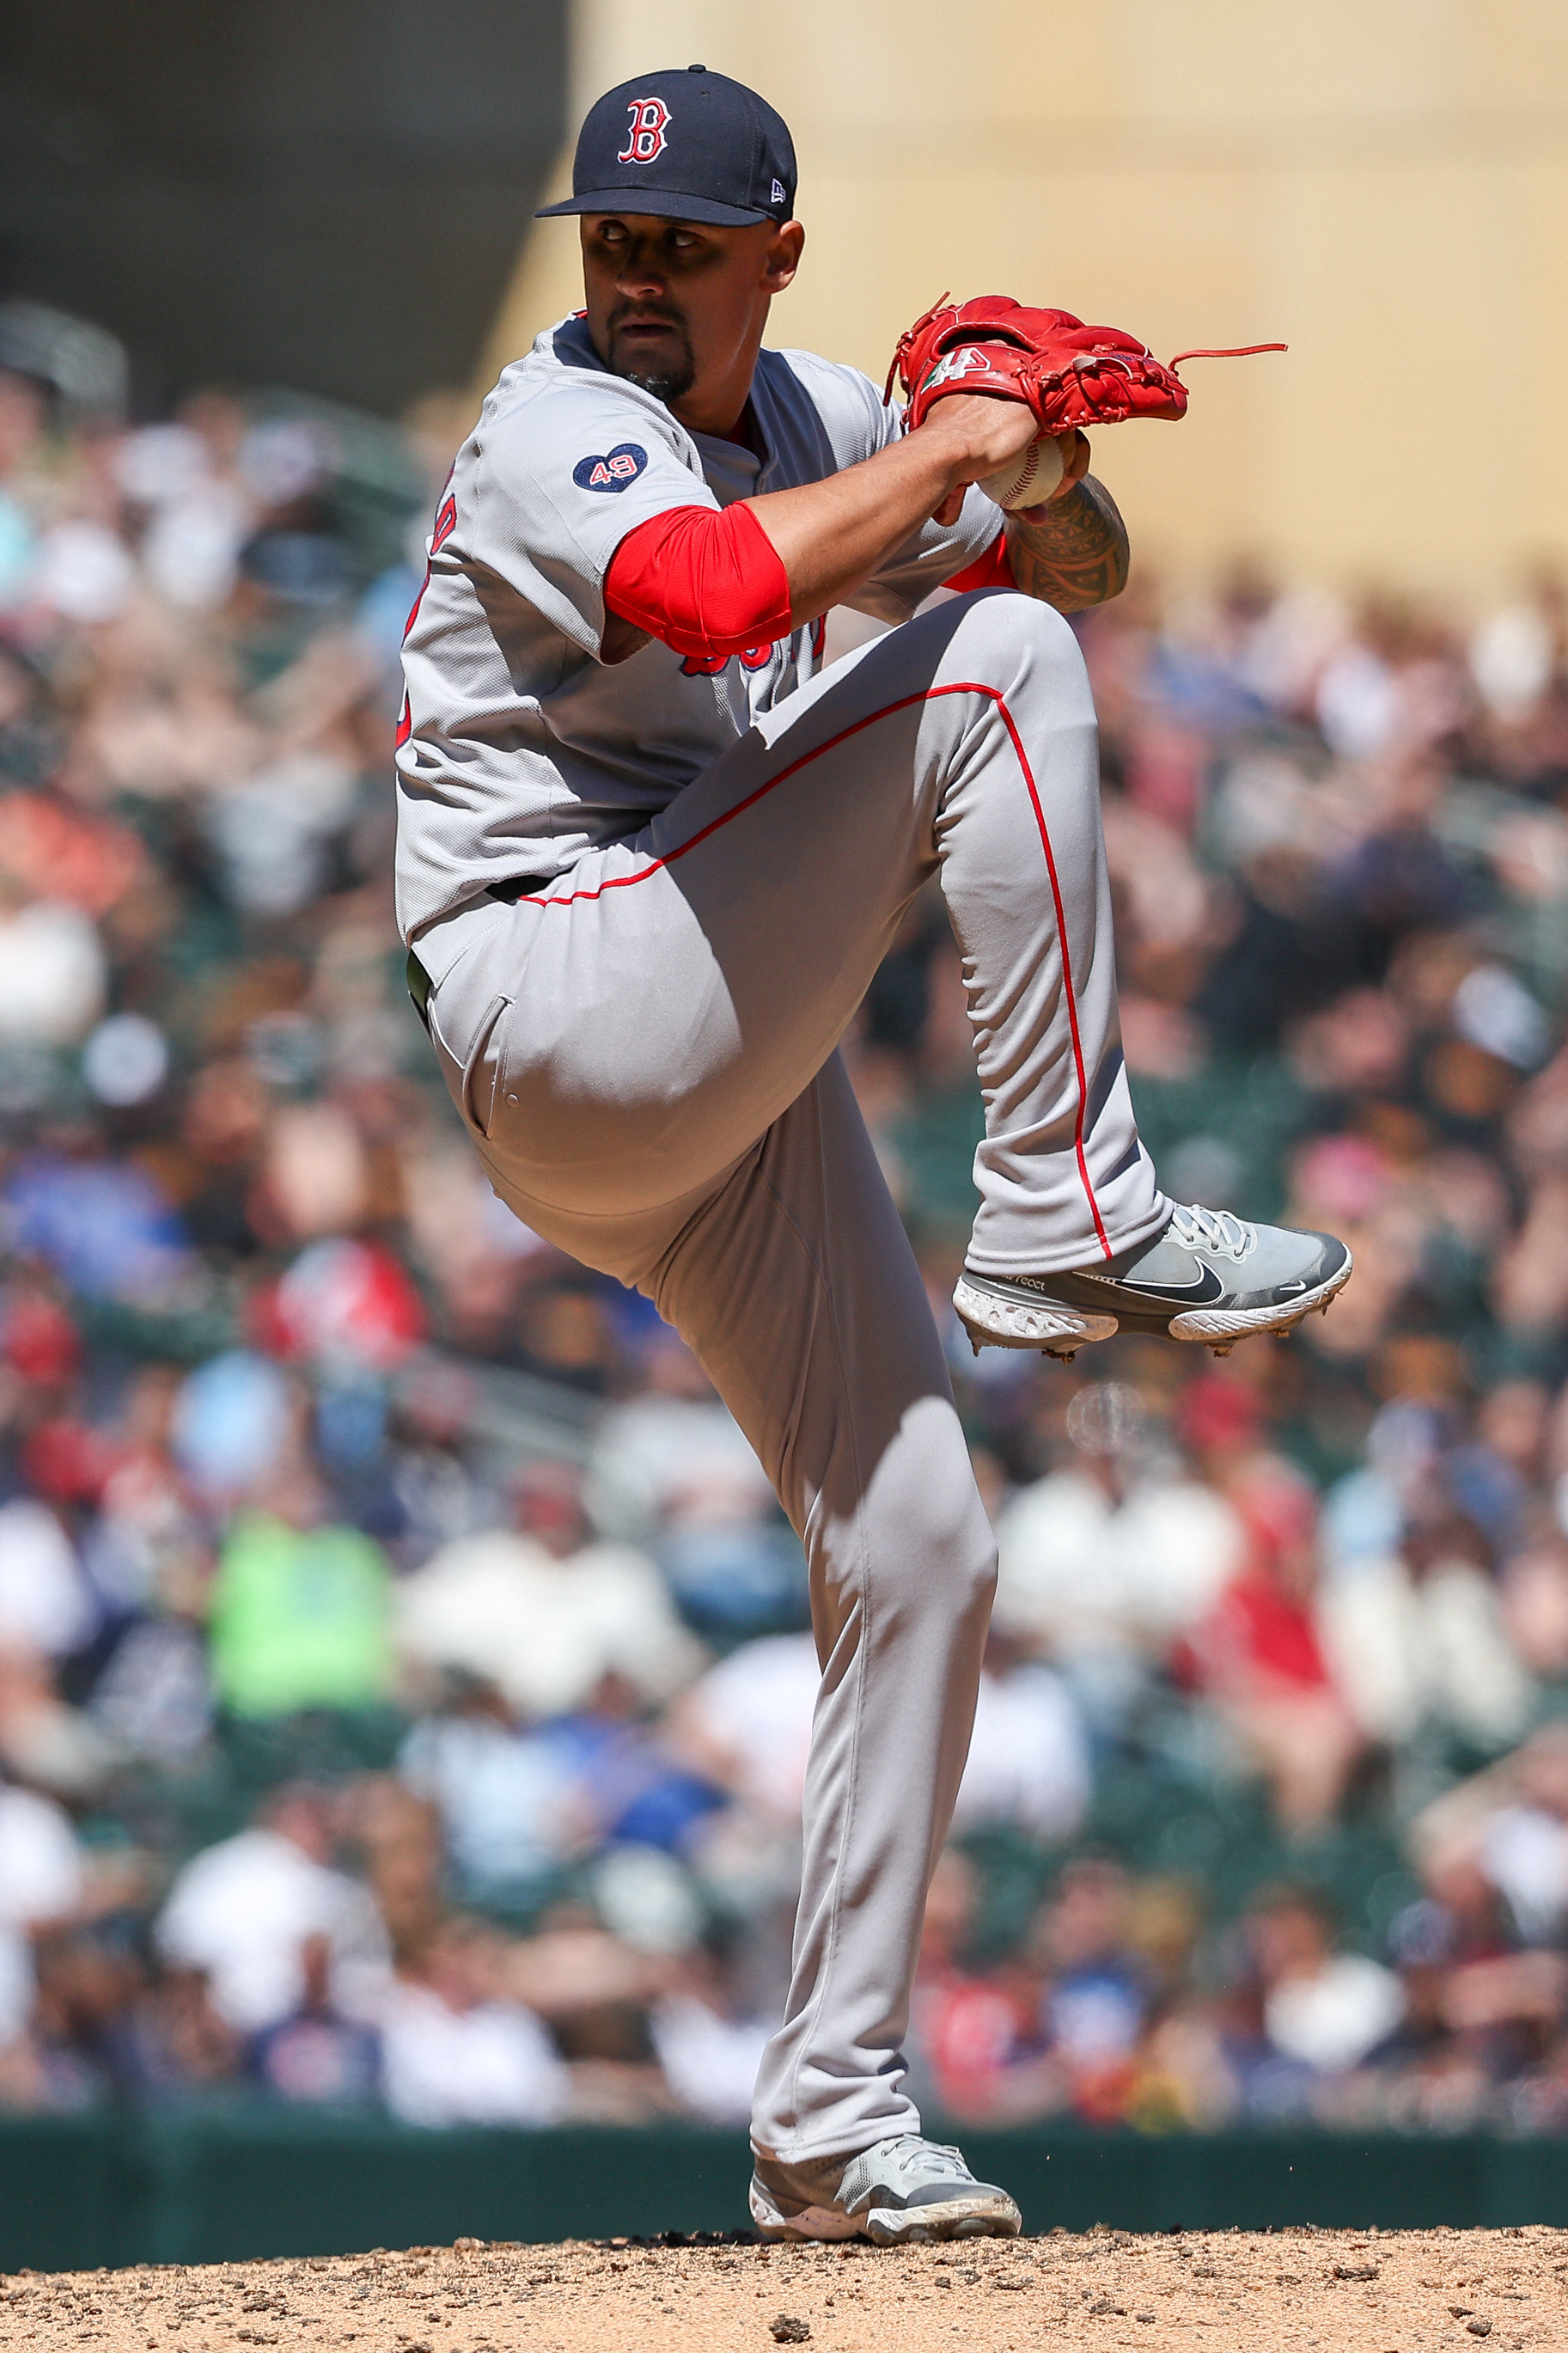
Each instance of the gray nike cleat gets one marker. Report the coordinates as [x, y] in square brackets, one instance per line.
[1209, 1277]
[897, 2190]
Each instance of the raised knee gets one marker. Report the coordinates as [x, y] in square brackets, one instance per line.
[1009, 617]
[1006, 637]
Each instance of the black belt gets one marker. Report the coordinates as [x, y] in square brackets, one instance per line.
[421, 988]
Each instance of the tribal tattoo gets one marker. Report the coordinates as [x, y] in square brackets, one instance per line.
[1073, 553]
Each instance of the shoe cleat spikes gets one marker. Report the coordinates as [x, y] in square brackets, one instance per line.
[1242, 1281]
[975, 1344]
[1222, 1349]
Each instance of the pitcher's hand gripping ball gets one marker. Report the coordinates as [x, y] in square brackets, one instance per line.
[1069, 374]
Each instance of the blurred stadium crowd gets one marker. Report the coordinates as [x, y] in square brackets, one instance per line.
[403, 1687]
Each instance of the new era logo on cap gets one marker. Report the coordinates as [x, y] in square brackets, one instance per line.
[691, 146]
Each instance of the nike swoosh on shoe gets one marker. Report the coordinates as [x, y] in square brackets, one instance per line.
[1202, 1292]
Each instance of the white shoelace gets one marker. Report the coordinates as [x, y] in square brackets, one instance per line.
[1197, 1228]
[911, 2153]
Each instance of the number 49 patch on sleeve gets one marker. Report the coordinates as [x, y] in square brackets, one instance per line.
[614, 470]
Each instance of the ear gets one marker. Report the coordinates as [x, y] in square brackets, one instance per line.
[783, 256]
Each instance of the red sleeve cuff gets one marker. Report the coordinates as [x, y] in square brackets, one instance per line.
[703, 582]
[991, 570]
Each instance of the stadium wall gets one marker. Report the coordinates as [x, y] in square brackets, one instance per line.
[1385, 186]
[102, 2188]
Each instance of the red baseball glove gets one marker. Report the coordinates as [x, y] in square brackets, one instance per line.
[1069, 374]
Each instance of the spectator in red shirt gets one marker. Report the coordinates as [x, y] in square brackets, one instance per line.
[1256, 1655]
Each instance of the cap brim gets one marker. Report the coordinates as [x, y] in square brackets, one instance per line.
[667, 202]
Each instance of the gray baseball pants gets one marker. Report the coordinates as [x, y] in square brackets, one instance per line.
[646, 1056]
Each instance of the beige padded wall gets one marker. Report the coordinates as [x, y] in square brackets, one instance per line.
[1382, 182]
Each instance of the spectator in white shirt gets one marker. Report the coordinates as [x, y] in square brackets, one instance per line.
[457, 2050]
[707, 2043]
[1106, 1561]
[545, 1611]
[242, 1910]
[1504, 1833]
[45, 1607]
[40, 1863]
[1323, 2008]
[40, 1880]
[674, 1456]
[1418, 1635]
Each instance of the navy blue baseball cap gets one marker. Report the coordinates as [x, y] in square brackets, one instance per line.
[693, 145]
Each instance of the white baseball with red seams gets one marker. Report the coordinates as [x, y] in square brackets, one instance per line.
[1029, 482]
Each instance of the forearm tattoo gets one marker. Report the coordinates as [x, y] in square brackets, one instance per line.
[1075, 554]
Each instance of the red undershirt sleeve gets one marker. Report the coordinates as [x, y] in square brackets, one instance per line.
[991, 570]
[703, 582]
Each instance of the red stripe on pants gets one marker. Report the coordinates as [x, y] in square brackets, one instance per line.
[929, 694]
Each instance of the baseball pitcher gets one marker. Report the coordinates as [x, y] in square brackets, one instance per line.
[652, 851]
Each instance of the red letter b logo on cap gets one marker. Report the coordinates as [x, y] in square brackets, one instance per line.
[646, 138]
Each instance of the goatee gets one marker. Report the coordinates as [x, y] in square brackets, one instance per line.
[668, 388]
[667, 379]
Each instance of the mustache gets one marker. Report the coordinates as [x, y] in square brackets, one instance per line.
[630, 313]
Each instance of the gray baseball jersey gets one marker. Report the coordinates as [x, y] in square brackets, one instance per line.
[518, 748]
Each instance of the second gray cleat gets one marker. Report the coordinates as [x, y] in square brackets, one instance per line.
[1209, 1277]
[904, 2189]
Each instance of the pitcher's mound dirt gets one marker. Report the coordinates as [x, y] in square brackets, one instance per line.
[1369, 2291]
